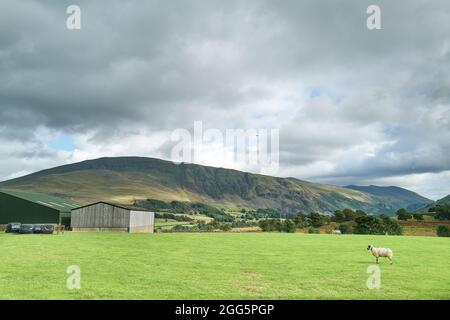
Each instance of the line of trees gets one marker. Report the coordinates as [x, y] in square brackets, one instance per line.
[403, 214]
[441, 211]
[173, 217]
[185, 208]
[204, 226]
[374, 225]
[362, 222]
[277, 225]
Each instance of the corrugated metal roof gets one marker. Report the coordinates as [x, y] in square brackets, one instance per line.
[62, 205]
[123, 206]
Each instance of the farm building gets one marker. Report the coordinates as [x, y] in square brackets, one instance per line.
[27, 207]
[103, 216]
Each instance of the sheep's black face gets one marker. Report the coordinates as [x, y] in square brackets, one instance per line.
[369, 247]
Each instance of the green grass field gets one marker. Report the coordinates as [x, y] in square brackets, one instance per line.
[220, 266]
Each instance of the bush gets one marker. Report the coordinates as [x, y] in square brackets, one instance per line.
[368, 225]
[338, 216]
[180, 227]
[418, 216]
[312, 230]
[373, 225]
[277, 225]
[442, 212]
[288, 226]
[391, 227]
[402, 214]
[443, 231]
[243, 223]
[225, 227]
[173, 217]
[301, 221]
[349, 214]
[345, 228]
[316, 219]
[270, 225]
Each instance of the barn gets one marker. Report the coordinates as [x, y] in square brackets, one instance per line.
[103, 216]
[28, 207]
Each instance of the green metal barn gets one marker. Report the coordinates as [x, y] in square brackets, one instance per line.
[27, 207]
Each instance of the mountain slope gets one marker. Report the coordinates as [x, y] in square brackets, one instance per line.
[394, 196]
[445, 200]
[126, 179]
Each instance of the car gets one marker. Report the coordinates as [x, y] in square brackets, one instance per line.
[43, 228]
[37, 228]
[26, 228]
[13, 227]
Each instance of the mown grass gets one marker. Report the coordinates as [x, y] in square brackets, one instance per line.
[220, 266]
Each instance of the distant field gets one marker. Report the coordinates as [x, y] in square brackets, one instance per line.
[422, 228]
[220, 266]
[410, 228]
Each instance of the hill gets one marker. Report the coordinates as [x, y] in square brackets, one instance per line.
[127, 179]
[395, 196]
[445, 200]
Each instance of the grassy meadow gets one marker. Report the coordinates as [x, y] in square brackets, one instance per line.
[221, 266]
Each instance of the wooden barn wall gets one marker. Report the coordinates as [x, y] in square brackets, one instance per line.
[100, 215]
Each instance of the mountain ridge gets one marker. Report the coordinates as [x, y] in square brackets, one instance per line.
[401, 194]
[127, 179]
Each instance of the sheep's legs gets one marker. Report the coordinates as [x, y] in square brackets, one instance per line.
[390, 259]
[377, 259]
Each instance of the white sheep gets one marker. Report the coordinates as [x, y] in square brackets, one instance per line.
[381, 252]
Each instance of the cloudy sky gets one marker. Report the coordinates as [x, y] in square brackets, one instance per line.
[352, 105]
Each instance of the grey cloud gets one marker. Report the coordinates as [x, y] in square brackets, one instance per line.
[161, 65]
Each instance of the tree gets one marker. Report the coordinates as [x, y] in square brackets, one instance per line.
[369, 225]
[403, 214]
[349, 214]
[359, 213]
[443, 231]
[270, 225]
[391, 226]
[418, 216]
[443, 212]
[288, 226]
[316, 220]
[339, 216]
[301, 220]
[345, 228]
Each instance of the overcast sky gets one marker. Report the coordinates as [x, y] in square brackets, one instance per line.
[353, 106]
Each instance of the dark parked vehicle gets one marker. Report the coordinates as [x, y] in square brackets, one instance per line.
[43, 228]
[13, 227]
[37, 228]
[26, 228]
[17, 227]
